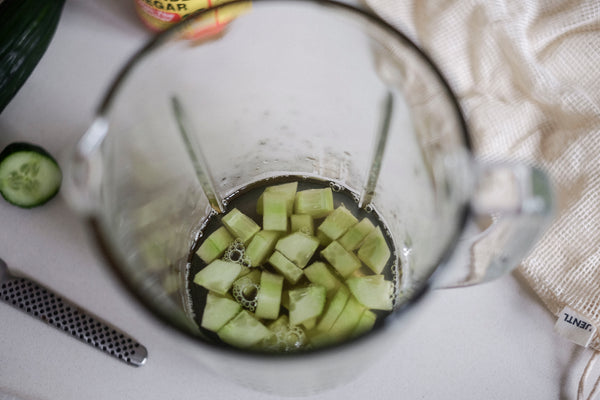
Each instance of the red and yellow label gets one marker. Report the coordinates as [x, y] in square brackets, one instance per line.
[158, 15]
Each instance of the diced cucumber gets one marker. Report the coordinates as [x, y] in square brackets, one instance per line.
[320, 274]
[29, 175]
[215, 245]
[244, 330]
[372, 291]
[302, 223]
[269, 296]
[365, 323]
[306, 303]
[297, 247]
[284, 337]
[245, 289]
[287, 189]
[347, 321]
[352, 239]
[337, 223]
[218, 311]
[240, 225]
[317, 203]
[374, 251]
[320, 339]
[285, 267]
[341, 259]
[310, 323]
[334, 309]
[275, 216]
[261, 246]
[218, 276]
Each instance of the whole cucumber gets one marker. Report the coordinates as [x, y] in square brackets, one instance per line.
[25, 32]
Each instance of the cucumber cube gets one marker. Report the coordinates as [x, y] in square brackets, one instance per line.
[334, 309]
[240, 225]
[269, 296]
[372, 291]
[302, 223]
[347, 321]
[275, 212]
[306, 303]
[317, 203]
[310, 323]
[365, 323]
[285, 267]
[218, 276]
[218, 311]
[261, 246]
[374, 251]
[288, 190]
[337, 223]
[298, 248]
[352, 239]
[320, 274]
[341, 259]
[215, 245]
[244, 330]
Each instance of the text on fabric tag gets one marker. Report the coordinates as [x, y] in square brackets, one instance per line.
[575, 327]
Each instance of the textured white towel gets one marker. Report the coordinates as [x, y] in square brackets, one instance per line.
[527, 74]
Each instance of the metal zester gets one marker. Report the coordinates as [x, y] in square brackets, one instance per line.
[39, 302]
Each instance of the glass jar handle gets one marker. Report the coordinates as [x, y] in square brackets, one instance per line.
[512, 206]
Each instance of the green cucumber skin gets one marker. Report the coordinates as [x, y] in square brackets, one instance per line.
[20, 147]
[25, 32]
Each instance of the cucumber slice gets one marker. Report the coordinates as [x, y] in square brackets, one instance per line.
[302, 223]
[218, 276]
[341, 259]
[218, 311]
[261, 246]
[244, 330]
[310, 323]
[320, 274]
[215, 245]
[334, 309]
[317, 203]
[306, 303]
[285, 267]
[365, 323]
[269, 296]
[374, 251]
[347, 321]
[352, 239]
[286, 189]
[240, 225]
[298, 248]
[372, 291]
[337, 223]
[275, 216]
[29, 175]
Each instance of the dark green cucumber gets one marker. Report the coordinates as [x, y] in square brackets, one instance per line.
[25, 32]
[29, 175]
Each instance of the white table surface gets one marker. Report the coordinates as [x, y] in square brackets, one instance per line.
[495, 341]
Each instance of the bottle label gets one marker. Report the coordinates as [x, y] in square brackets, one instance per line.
[575, 327]
[158, 15]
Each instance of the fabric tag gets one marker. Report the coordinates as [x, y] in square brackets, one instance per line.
[574, 327]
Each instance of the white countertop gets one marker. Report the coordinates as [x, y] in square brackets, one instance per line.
[495, 341]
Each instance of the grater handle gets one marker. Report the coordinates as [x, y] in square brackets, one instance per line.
[39, 302]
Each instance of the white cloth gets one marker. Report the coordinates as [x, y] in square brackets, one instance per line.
[527, 75]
